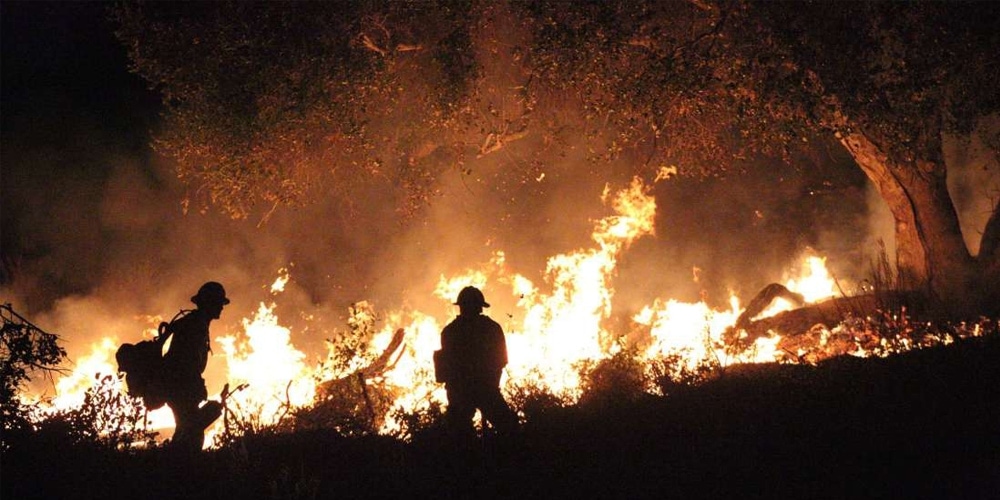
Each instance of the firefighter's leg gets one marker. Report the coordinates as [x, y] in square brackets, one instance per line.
[498, 412]
[461, 408]
[186, 433]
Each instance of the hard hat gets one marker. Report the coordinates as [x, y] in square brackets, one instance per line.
[210, 293]
[471, 296]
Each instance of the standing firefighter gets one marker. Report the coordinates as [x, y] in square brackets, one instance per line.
[183, 365]
[472, 357]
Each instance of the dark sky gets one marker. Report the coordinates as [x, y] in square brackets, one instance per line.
[69, 105]
[62, 67]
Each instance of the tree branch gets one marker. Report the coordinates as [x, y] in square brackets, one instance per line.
[367, 42]
[496, 141]
[701, 4]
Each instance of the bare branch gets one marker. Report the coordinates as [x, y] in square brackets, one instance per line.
[496, 141]
[367, 42]
[405, 47]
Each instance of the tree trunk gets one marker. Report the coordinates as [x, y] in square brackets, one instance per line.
[989, 247]
[931, 255]
[989, 263]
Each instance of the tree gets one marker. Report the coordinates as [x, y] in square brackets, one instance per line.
[25, 351]
[264, 100]
[883, 79]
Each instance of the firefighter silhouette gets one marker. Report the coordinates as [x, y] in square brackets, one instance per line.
[184, 364]
[471, 360]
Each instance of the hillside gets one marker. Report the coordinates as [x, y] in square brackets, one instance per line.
[918, 425]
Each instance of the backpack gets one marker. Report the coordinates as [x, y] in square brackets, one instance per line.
[142, 364]
[442, 367]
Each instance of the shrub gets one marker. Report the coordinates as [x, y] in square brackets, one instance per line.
[24, 351]
[620, 378]
[108, 418]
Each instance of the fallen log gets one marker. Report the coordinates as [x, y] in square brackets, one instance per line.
[807, 331]
[828, 313]
[763, 300]
[349, 401]
[375, 369]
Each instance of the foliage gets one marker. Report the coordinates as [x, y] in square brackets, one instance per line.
[673, 373]
[773, 430]
[108, 418]
[266, 102]
[351, 405]
[533, 399]
[615, 380]
[645, 78]
[424, 420]
[349, 399]
[715, 84]
[894, 67]
[350, 350]
[260, 94]
[760, 76]
[241, 422]
[25, 350]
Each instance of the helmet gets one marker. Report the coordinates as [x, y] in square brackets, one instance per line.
[210, 293]
[471, 296]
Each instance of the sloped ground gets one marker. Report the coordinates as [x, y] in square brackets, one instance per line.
[920, 425]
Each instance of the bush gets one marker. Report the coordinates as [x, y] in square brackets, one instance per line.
[24, 350]
[108, 418]
[672, 373]
[620, 378]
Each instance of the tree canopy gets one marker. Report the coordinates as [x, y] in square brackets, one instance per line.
[265, 101]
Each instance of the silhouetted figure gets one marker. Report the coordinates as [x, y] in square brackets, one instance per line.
[183, 365]
[471, 361]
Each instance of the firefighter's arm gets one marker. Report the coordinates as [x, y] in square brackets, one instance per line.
[500, 348]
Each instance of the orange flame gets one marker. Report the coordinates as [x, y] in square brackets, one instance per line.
[553, 328]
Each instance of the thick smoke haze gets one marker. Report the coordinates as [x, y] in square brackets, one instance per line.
[96, 241]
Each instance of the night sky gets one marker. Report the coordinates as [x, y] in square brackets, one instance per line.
[70, 108]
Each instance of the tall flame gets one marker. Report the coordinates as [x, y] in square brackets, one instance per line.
[553, 328]
[274, 370]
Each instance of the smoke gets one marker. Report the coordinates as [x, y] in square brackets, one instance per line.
[124, 256]
[98, 243]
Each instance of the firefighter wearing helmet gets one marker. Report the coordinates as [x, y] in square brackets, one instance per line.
[470, 363]
[184, 364]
